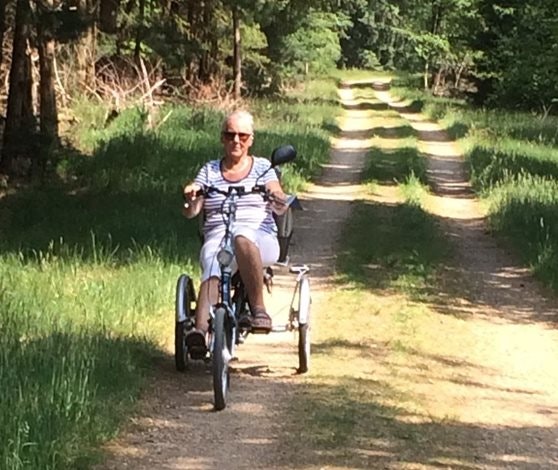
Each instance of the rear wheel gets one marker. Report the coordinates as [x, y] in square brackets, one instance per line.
[180, 348]
[304, 301]
[222, 340]
[185, 298]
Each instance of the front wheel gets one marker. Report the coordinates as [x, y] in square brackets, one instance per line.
[303, 317]
[221, 357]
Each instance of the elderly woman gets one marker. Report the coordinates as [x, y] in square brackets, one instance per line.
[255, 240]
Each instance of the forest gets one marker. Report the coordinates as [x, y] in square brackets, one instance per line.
[124, 53]
[109, 106]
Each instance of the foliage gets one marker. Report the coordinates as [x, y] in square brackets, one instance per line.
[519, 64]
[526, 211]
[314, 46]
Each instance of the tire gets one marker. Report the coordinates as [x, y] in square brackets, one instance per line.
[185, 297]
[222, 337]
[284, 224]
[303, 317]
[180, 348]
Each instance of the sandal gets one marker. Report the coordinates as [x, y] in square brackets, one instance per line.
[245, 321]
[195, 342]
[261, 322]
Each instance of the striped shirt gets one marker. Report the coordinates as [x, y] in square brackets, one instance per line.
[252, 211]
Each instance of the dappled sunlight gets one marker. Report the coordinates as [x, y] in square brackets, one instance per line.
[443, 381]
[348, 192]
[389, 195]
[404, 375]
[344, 143]
[447, 151]
[410, 368]
[356, 116]
[459, 208]
[387, 144]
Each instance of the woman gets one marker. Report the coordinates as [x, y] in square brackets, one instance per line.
[255, 240]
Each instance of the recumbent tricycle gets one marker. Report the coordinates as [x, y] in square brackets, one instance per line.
[225, 330]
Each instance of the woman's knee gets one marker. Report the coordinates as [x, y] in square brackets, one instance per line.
[243, 243]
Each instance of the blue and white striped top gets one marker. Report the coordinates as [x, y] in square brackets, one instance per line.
[252, 211]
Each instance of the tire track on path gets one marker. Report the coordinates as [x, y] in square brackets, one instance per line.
[510, 392]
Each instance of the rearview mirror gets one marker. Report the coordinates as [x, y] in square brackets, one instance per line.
[283, 154]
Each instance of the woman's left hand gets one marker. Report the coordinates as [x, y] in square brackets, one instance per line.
[278, 202]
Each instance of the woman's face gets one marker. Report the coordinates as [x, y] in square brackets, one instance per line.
[237, 138]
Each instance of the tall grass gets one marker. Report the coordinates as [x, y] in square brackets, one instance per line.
[75, 342]
[88, 265]
[525, 210]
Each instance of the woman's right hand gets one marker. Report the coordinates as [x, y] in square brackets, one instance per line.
[190, 192]
[192, 202]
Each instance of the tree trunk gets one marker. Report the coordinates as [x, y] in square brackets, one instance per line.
[237, 67]
[2, 26]
[20, 125]
[48, 111]
[86, 46]
[108, 16]
[139, 31]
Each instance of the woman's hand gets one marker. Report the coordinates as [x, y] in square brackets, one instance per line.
[277, 197]
[192, 202]
[190, 191]
[278, 201]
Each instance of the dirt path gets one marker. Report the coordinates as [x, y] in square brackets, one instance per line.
[498, 378]
[508, 389]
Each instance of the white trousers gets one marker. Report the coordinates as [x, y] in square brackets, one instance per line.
[266, 242]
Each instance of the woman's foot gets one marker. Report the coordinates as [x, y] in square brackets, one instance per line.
[195, 342]
[261, 322]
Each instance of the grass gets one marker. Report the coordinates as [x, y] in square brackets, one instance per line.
[76, 341]
[394, 247]
[89, 262]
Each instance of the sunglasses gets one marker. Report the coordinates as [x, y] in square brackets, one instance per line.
[242, 136]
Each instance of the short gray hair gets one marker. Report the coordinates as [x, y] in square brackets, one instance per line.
[238, 114]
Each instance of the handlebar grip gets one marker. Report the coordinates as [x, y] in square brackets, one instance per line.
[198, 193]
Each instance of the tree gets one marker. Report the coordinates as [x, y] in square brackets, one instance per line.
[86, 45]
[3, 4]
[48, 114]
[519, 65]
[20, 122]
[314, 46]
[237, 59]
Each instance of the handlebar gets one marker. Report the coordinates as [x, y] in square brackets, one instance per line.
[237, 190]
[291, 200]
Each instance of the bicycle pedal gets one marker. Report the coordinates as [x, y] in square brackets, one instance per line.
[260, 331]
